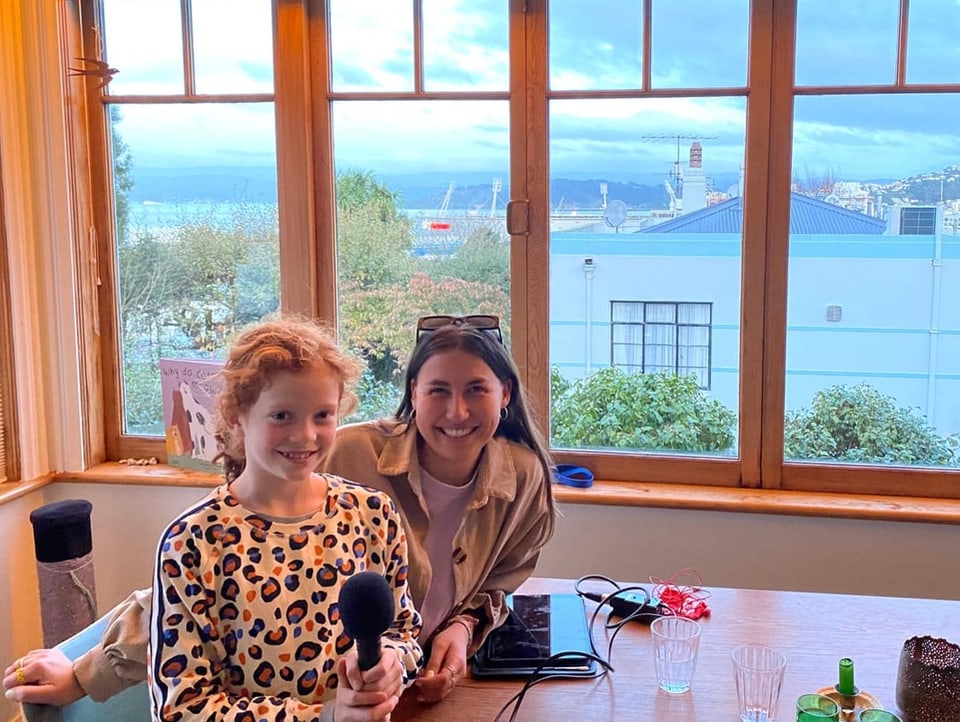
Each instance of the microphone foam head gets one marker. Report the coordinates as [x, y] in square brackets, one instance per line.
[366, 605]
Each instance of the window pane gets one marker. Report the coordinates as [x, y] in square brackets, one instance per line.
[415, 237]
[143, 41]
[684, 56]
[233, 46]
[466, 49]
[840, 42]
[371, 45]
[197, 256]
[645, 236]
[873, 336]
[933, 43]
[595, 46]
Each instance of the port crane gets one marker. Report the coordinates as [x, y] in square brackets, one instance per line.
[445, 203]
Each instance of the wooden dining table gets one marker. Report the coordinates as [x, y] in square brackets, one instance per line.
[813, 630]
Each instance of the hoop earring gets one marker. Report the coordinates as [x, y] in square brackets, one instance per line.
[504, 413]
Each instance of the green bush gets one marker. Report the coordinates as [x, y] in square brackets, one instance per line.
[143, 411]
[616, 410]
[859, 424]
[376, 399]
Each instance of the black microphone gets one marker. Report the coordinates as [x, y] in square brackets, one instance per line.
[367, 611]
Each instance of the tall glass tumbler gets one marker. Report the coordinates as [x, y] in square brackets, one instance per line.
[676, 642]
[758, 670]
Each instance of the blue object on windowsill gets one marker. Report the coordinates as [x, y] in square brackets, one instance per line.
[572, 475]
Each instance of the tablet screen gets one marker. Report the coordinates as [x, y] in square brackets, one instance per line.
[539, 626]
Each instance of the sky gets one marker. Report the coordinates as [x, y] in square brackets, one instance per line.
[695, 43]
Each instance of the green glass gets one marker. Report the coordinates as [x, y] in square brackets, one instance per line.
[817, 708]
[877, 715]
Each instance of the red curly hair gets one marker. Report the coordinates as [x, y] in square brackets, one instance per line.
[291, 343]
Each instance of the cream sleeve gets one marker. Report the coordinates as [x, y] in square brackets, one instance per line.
[120, 660]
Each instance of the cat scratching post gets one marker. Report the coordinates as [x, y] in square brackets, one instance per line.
[64, 550]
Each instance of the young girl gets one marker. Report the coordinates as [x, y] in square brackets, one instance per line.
[244, 623]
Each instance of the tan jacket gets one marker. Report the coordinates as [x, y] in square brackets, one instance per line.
[507, 522]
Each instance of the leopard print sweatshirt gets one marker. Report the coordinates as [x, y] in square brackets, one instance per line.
[245, 625]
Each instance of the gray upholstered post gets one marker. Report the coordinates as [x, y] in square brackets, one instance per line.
[64, 550]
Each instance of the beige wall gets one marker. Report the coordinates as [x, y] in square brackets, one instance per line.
[126, 523]
[19, 621]
[737, 550]
[762, 551]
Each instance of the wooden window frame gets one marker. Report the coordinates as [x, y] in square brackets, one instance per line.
[303, 98]
[9, 433]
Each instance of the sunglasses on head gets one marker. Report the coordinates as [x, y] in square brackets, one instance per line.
[481, 322]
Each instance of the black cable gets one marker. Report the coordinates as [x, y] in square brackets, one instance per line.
[536, 677]
[628, 611]
[641, 610]
[644, 609]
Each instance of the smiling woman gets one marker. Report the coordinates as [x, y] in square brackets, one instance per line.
[466, 464]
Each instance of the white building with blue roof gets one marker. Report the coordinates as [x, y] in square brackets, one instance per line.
[869, 300]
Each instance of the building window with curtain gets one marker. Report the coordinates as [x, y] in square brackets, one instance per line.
[662, 337]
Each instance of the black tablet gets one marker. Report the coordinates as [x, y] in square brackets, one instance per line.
[538, 626]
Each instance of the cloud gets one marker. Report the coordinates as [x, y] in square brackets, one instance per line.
[143, 41]
[413, 136]
[699, 43]
[198, 135]
[877, 136]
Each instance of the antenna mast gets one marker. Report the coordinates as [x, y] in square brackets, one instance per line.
[677, 174]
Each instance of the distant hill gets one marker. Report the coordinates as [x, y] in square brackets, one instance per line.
[228, 184]
[924, 189]
[570, 194]
[428, 191]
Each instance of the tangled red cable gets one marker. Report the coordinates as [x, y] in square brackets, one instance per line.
[683, 593]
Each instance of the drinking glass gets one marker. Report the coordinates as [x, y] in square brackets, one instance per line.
[676, 642]
[758, 670]
[817, 708]
[877, 715]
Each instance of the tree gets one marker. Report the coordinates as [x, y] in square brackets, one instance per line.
[356, 188]
[372, 250]
[859, 424]
[385, 287]
[612, 409]
[817, 184]
[184, 289]
[200, 279]
[379, 322]
[484, 257]
[122, 174]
